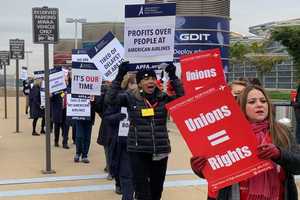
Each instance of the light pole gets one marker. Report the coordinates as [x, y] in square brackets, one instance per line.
[27, 58]
[75, 20]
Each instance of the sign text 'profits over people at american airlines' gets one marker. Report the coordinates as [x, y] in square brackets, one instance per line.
[208, 121]
[200, 69]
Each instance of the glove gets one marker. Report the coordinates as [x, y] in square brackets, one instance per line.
[159, 84]
[268, 151]
[122, 71]
[122, 116]
[197, 164]
[171, 70]
[170, 89]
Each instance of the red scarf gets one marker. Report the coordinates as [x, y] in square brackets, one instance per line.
[266, 185]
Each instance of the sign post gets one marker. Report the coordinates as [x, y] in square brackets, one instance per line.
[45, 31]
[4, 61]
[17, 52]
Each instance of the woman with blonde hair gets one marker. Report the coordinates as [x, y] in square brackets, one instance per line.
[275, 143]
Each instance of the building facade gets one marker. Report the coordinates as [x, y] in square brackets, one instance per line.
[283, 75]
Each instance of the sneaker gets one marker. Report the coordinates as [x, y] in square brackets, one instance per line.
[118, 190]
[65, 146]
[85, 160]
[76, 158]
[109, 177]
[35, 134]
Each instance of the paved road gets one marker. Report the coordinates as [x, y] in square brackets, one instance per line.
[23, 157]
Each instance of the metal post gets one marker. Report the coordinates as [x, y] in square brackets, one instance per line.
[5, 93]
[47, 111]
[17, 95]
[76, 45]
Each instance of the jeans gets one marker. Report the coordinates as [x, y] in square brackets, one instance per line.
[148, 177]
[83, 137]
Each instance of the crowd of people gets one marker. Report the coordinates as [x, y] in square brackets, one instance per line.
[137, 161]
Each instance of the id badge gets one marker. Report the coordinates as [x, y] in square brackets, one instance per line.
[148, 112]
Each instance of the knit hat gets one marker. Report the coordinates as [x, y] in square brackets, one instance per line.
[144, 74]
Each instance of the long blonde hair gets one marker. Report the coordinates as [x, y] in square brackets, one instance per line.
[279, 132]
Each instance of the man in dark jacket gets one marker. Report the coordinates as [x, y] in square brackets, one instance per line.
[26, 91]
[148, 142]
[296, 106]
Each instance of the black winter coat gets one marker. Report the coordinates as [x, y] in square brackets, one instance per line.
[290, 162]
[146, 134]
[57, 108]
[35, 102]
[112, 117]
[104, 131]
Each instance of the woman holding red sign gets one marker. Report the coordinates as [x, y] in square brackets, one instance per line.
[275, 143]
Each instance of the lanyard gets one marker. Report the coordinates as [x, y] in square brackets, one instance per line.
[149, 104]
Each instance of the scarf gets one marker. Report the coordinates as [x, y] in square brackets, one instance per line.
[266, 185]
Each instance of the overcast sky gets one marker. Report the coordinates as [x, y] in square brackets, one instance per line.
[16, 19]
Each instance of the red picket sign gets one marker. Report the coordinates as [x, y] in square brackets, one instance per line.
[213, 126]
[201, 68]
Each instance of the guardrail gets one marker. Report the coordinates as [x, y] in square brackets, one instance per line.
[284, 111]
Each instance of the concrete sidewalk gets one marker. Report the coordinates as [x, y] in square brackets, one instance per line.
[23, 158]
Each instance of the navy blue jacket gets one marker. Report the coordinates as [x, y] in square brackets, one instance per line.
[35, 102]
[57, 108]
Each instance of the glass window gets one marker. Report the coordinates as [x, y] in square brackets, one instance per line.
[270, 79]
[284, 79]
[284, 85]
[270, 85]
[284, 73]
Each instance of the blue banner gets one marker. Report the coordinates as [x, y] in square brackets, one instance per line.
[199, 22]
[143, 66]
[80, 65]
[189, 49]
[150, 10]
[100, 44]
[199, 33]
[201, 37]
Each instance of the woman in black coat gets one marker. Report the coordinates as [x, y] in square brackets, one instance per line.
[57, 115]
[104, 136]
[36, 110]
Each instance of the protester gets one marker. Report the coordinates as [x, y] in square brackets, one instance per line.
[296, 106]
[148, 142]
[83, 135]
[275, 144]
[26, 91]
[119, 157]
[36, 110]
[104, 135]
[237, 86]
[68, 122]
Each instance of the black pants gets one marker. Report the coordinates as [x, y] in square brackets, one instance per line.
[34, 125]
[64, 126]
[148, 176]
